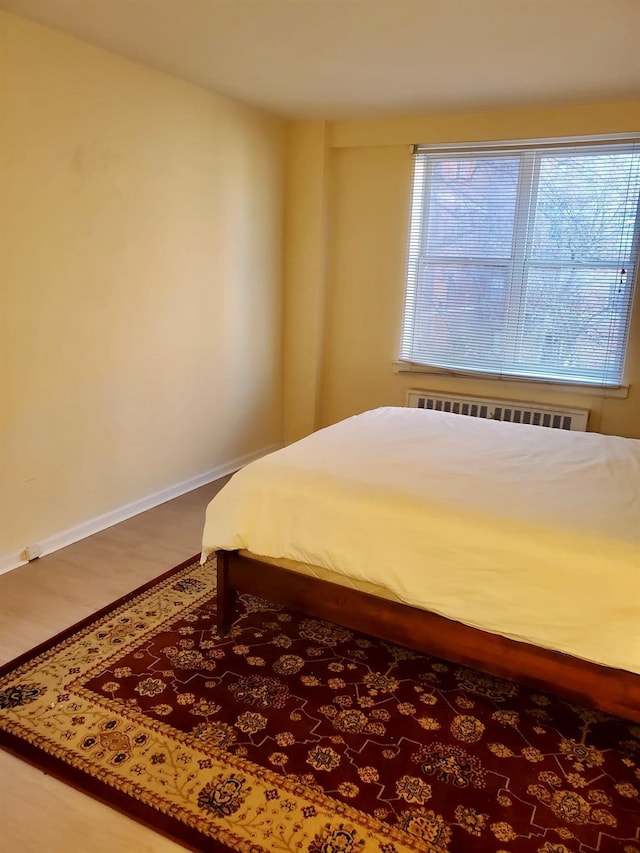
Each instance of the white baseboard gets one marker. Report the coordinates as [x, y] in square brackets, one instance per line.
[12, 560]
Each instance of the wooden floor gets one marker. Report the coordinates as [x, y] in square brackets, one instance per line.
[37, 813]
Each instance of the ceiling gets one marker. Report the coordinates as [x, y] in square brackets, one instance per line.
[337, 59]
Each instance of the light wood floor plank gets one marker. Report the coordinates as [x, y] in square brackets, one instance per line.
[38, 814]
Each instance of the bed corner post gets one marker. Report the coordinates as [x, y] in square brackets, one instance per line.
[226, 595]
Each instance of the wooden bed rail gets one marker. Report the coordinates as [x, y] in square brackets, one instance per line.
[612, 690]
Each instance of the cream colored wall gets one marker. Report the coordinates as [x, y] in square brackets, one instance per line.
[140, 281]
[304, 274]
[367, 202]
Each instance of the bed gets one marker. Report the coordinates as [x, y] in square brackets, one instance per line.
[513, 549]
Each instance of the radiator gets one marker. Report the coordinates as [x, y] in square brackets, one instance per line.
[515, 411]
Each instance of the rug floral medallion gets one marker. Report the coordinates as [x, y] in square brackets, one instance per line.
[296, 735]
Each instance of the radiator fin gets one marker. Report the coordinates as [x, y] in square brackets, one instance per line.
[514, 411]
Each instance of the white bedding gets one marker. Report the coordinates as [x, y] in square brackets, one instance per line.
[528, 532]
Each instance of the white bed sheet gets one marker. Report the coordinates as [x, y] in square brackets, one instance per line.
[524, 531]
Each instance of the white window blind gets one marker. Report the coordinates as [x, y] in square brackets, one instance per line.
[522, 260]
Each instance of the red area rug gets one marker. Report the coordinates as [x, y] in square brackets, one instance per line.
[296, 735]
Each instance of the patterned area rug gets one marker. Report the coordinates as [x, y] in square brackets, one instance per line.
[297, 735]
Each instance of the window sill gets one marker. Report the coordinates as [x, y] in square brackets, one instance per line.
[621, 391]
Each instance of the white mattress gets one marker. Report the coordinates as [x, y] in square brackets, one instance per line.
[528, 532]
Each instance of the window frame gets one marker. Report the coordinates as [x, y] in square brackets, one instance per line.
[519, 261]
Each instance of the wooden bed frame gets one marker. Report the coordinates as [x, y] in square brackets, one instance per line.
[613, 690]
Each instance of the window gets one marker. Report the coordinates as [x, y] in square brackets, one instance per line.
[522, 260]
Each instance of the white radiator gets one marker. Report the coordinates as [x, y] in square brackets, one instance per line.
[515, 411]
